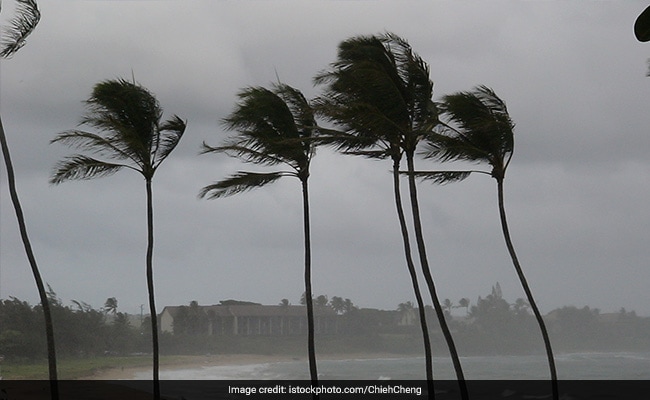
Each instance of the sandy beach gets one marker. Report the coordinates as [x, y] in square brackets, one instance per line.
[192, 362]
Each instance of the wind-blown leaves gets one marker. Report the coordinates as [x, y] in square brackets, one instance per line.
[379, 91]
[241, 151]
[95, 143]
[274, 126]
[238, 183]
[20, 26]
[82, 167]
[443, 177]
[127, 117]
[478, 129]
[171, 132]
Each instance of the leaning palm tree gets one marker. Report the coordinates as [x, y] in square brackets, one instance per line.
[131, 135]
[13, 38]
[379, 93]
[478, 128]
[274, 127]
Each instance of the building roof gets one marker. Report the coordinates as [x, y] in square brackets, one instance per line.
[254, 310]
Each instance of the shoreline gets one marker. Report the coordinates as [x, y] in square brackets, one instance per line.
[224, 360]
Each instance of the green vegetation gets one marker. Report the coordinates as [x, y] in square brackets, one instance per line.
[93, 339]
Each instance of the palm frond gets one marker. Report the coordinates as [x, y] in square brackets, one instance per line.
[477, 128]
[171, 132]
[378, 89]
[247, 154]
[129, 112]
[127, 118]
[78, 167]
[240, 182]
[95, 143]
[372, 154]
[273, 126]
[19, 28]
[262, 114]
[299, 107]
[441, 177]
[449, 148]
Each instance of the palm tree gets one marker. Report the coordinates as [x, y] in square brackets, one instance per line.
[464, 302]
[13, 38]
[338, 304]
[479, 129]
[110, 306]
[378, 91]
[131, 134]
[274, 127]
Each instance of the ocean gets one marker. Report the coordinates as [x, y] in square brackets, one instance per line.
[573, 366]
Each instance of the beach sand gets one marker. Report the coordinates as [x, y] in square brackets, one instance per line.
[193, 362]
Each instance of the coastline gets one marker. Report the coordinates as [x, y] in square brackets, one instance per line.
[224, 360]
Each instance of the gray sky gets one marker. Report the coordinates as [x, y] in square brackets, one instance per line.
[577, 193]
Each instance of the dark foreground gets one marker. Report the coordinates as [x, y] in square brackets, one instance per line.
[387, 389]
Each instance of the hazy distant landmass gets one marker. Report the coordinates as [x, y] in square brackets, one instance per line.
[491, 326]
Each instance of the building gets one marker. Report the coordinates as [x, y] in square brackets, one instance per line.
[246, 320]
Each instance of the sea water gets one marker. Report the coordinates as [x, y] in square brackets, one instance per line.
[573, 366]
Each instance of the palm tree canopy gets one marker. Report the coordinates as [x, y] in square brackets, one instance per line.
[21, 26]
[274, 126]
[127, 118]
[378, 90]
[477, 128]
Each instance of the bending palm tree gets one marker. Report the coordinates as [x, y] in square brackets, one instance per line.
[275, 127]
[13, 39]
[128, 118]
[380, 93]
[482, 131]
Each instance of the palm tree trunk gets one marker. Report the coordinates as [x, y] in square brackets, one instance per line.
[150, 289]
[417, 225]
[49, 328]
[529, 294]
[428, 360]
[311, 345]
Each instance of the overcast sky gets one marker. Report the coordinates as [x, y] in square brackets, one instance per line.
[577, 190]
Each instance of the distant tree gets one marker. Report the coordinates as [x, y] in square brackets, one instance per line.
[447, 305]
[338, 304]
[405, 307]
[477, 128]
[348, 306]
[110, 306]
[464, 302]
[14, 35]
[321, 301]
[275, 127]
[521, 307]
[131, 134]
[285, 303]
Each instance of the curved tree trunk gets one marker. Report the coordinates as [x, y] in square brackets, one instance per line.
[529, 294]
[311, 345]
[150, 289]
[49, 329]
[428, 360]
[417, 225]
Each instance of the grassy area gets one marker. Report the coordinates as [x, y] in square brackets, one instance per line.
[81, 367]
